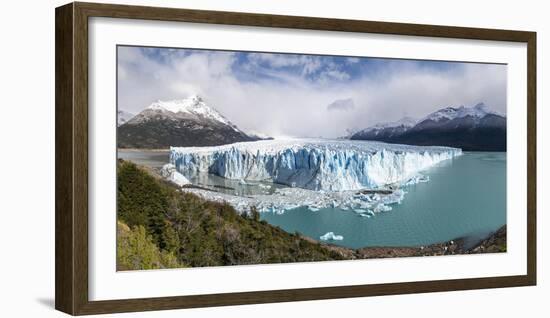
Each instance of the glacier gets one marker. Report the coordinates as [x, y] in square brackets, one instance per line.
[313, 164]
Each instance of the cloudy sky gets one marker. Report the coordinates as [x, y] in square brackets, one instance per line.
[304, 95]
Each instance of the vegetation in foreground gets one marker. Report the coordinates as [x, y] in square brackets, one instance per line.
[161, 227]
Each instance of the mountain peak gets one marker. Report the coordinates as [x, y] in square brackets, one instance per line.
[482, 106]
[195, 98]
[178, 105]
[476, 128]
[405, 122]
[388, 128]
[187, 122]
[192, 105]
[479, 110]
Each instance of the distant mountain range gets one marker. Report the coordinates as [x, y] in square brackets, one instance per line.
[181, 123]
[471, 128]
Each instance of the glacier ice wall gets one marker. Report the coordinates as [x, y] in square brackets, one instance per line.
[331, 165]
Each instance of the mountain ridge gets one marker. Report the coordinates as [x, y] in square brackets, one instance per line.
[181, 123]
[475, 128]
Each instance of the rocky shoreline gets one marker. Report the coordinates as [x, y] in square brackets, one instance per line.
[494, 243]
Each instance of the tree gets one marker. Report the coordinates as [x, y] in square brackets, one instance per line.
[136, 250]
[254, 214]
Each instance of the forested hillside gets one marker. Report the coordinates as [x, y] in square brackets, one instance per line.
[160, 227]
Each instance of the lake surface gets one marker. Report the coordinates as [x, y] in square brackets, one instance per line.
[152, 158]
[465, 197]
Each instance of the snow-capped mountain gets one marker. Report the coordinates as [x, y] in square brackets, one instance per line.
[449, 113]
[405, 122]
[470, 128]
[193, 106]
[185, 122]
[385, 130]
[123, 116]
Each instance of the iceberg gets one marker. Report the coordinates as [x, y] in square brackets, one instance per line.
[169, 172]
[314, 164]
[330, 236]
[417, 179]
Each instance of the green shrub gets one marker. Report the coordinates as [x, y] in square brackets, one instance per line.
[136, 250]
[197, 232]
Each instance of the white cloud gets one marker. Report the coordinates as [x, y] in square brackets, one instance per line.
[283, 103]
[307, 64]
[329, 75]
[341, 105]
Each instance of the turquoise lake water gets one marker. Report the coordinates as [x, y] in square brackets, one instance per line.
[465, 197]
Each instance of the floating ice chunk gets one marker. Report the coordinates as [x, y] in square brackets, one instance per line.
[330, 236]
[417, 179]
[284, 199]
[169, 172]
[382, 208]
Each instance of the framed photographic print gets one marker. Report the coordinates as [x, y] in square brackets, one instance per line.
[211, 158]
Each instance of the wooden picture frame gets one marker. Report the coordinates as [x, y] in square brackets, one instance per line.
[71, 90]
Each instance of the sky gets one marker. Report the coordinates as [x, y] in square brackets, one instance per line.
[295, 95]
